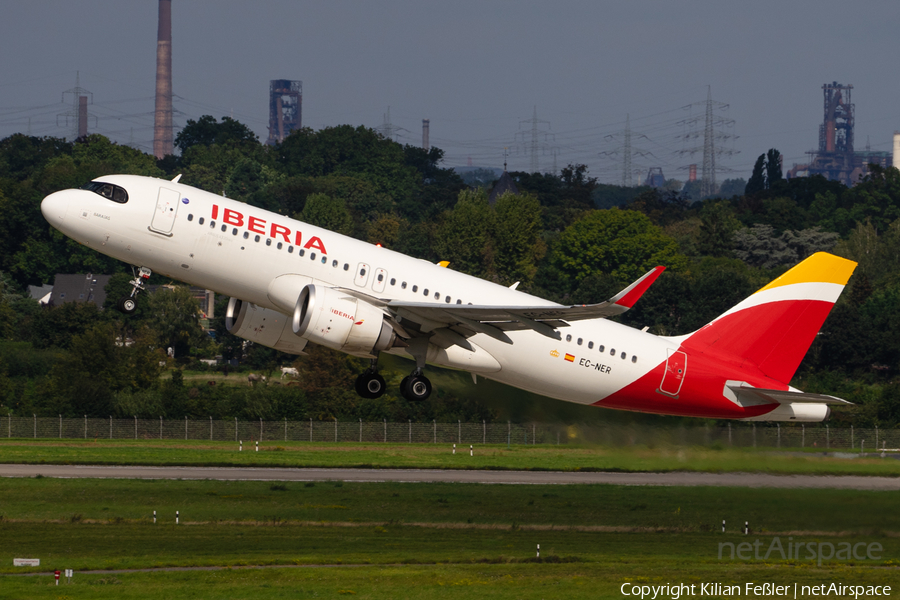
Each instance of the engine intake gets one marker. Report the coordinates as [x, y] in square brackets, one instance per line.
[262, 326]
[335, 319]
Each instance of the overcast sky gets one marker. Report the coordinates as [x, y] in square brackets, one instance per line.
[478, 70]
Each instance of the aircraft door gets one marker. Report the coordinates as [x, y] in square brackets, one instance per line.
[166, 208]
[673, 377]
[380, 280]
[362, 274]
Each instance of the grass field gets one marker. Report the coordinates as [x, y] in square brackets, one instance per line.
[679, 509]
[349, 454]
[420, 540]
[407, 540]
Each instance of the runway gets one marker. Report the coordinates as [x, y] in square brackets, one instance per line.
[750, 480]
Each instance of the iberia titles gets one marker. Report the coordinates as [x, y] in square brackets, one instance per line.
[274, 230]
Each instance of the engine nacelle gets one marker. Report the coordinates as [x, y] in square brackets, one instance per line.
[262, 326]
[335, 319]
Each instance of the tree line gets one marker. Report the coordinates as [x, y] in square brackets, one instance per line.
[564, 236]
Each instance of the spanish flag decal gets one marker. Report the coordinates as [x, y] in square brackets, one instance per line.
[570, 357]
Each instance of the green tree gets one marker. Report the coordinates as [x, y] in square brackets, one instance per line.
[773, 168]
[206, 131]
[101, 362]
[760, 246]
[732, 187]
[621, 243]
[464, 235]
[516, 238]
[347, 150]
[766, 172]
[717, 227]
[757, 181]
[329, 213]
[173, 316]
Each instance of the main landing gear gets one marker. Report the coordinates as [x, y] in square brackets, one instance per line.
[128, 304]
[415, 387]
[370, 384]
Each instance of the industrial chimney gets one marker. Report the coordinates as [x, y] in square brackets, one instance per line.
[162, 123]
[896, 159]
[426, 125]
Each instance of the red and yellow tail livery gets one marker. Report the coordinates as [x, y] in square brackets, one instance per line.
[740, 365]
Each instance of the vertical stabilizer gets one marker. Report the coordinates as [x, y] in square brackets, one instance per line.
[773, 328]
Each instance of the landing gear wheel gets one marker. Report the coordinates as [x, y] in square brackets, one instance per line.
[370, 385]
[415, 387]
[127, 305]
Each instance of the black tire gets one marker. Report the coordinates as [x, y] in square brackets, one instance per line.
[370, 385]
[375, 386]
[416, 388]
[127, 305]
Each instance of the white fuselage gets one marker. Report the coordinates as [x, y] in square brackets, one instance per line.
[186, 234]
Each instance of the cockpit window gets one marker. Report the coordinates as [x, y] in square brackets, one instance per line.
[108, 191]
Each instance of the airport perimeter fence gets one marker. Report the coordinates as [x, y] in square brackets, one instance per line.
[739, 435]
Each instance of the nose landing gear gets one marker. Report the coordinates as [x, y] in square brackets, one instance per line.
[128, 304]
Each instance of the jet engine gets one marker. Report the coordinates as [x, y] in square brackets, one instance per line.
[338, 320]
[262, 326]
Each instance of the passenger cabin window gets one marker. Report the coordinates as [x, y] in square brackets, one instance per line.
[190, 217]
[268, 241]
[602, 348]
[108, 191]
[590, 345]
[403, 285]
[200, 221]
[415, 288]
[224, 228]
[579, 341]
[569, 337]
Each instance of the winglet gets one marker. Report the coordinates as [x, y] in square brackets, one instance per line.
[627, 297]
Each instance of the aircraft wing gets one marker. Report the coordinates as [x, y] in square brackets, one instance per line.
[494, 320]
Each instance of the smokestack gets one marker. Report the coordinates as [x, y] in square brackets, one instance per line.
[426, 124]
[692, 172]
[896, 163]
[162, 123]
[82, 116]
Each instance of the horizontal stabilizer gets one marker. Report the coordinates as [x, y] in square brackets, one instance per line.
[750, 396]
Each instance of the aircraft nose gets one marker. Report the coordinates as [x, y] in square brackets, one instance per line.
[53, 207]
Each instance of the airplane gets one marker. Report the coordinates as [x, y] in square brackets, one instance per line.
[291, 283]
